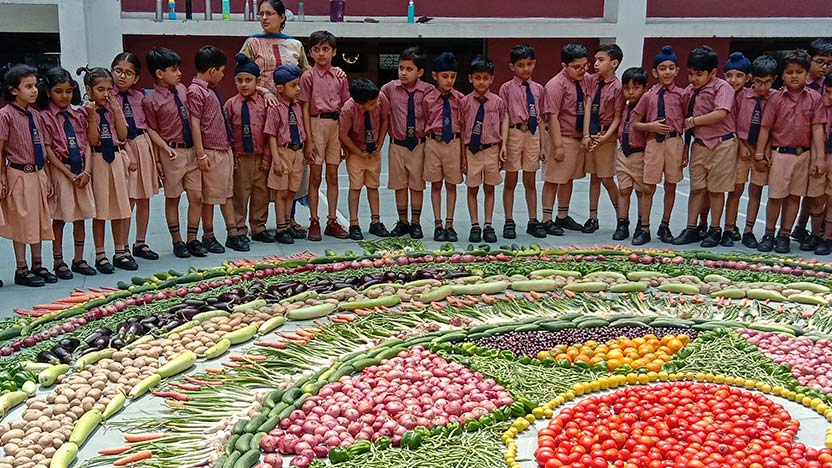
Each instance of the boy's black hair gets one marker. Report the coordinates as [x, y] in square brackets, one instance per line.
[573, 51]
[208, 57]
[821, 46]
[93, 74]
[416, 55]
[482, 64]
[613, 51]
[827, 80]
[12, 76]
[363, 90]
[636, 75]
[130, 58]
[764, 65]
[52, 78]
[703, 58]
[161, 58]
[322, 38]
[798, 57]
[520, 52]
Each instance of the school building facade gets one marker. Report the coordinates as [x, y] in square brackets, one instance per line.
[80, 32]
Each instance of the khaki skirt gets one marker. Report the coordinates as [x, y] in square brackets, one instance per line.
[109, 187]
[70, 203]
[144, 181]
[25, 208]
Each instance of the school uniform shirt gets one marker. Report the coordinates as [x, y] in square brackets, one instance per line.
[495, 111]
[790, 116]
[648, 107]
[637, 139]
[352, 119]
[277, 121]
[111, 120]
[397, 97]
[716, 94]
[815, 85]
[14, 130]
[513, 94]
[433, 103]
[135, 98]
[257, 116]
[204, 104]
[612, 97]
[560, 98]
[162, 114]
[744, 104]
[323, 90]
[54, 120]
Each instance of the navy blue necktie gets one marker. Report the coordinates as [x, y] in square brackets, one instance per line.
[228, 130]
[660, 115]
[476, 133]
[410, 140]
[369, 138]
[756, 121]
[108, 148]
[37, 144]
[294, 132]
[532, 108]
[691, 104]
[595, 112]
[186, 121]
[625, 137]
[579, 107]
[76, 164]
[447, 129]
[132, 130]
[245, 117]
[829, 143]
[814, 85]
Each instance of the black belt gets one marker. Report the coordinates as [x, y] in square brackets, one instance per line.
[794, 150]
[294, 147]
[25, 167]
[725, 137]
[483, 147]
[100, 149]
[603, 128]
[327, 115]
[670, 135]
[639, 149]
[139, 132]
[522, 126]
[404, 142]
[438, 136]
[179, 145]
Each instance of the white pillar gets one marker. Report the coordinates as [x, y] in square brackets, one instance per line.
[629, 18]
[90, 32]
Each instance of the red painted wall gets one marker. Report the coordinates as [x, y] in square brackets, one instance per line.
[747, 8]
[457, 8]
[682, 47]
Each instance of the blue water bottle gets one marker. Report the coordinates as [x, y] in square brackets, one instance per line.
[172, 9]
[226, 10]
[411, 12]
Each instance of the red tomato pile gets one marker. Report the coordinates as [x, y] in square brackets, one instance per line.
[676, 425]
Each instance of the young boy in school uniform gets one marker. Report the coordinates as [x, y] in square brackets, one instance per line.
[407, 137]
[213, 135]
[169, 127]
[323, 92]
[604, 102]
[443, 148]
[737, 73]
[523, 98]
[563, 106]
[485, 132]
[629, 159]
[825, 246]
[659, 113]
[287, 137]
[791, 144]
[247, 113]
[363, 124]
[709, 127]
[749, 108]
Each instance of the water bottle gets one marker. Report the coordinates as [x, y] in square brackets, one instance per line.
[159, 13]
[246, 10]
[226, 10]
[336, 11]
[252, 15]
[189, 10]
[301, 16]
[171, 9]
[208, 14]
[411, 12]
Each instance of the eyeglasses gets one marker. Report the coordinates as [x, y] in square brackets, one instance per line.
[822, 63]
[578, 68]
[266, 14]
[759, 82]
[124, 73]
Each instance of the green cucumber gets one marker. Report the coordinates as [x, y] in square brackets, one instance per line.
[733, 293]
[534, 285]
[241, 335]
[594, 323]
[808, 299]
[217, 349]
[436, 294]
[680, 288]
[589, 286]
[714, 278]
[557, 326]
[248, 459]
[806, 286]
[765, 294]
[645, 274]
[563, 273]
[311, 312]
[493, 287]
[669, 322]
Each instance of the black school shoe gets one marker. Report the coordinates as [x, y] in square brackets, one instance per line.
[749, 240]
[622, 230]
[416, 231]
[237, 243]
[568, 223]
[641, 237]
[475, 235]
[284, 237]
[712, 238]
[196, 248]
[378, 230]
[47, 275]
[295, 232]
[180, 251]
[401, 228]
[590, 226]
[144, 251]
[439, 234]
[63, 272]
[125, 262]
[451, 234]
[766, 243]
[212, 245]
[25, 277]
[781, 244]
[263, 236]
[83, 268]
[824, 248]
[355, 233]
[536, 229]
[735, 235]
[552, 229]
[489, 234]
[687, 236]
[810, 243]
[104, 266]
[728, 238]
[702, 230]
[799, 233]
[509, 230]
[664, 234]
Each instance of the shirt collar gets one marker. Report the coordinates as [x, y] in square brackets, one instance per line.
[795, 96]
[163, 90]
[321, 71]
[518, 81]
[282, 99]
[55, 110]
[22, 110]
[201, 82]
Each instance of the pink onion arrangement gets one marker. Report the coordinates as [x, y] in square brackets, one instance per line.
[810, 361]
[415, 388]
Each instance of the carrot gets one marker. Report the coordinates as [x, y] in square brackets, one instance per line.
[138, 456]
[230, 365]
[488, 299]
[143, 437]
[569, 294]
[271, 344]
[472, 298]
[114, 450]
[439, 307]
[305, 333]
[290, 336]
[418, 305]
[76, 299]
[52, 306]
[510, 296]
[214, 370]
[175, 395]
[202, 382]
[247, 358]
[30, 313]
[348, 318]
[361, 312]
[185, 386]
[528, 297]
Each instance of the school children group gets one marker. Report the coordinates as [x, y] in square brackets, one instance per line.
[105, 159]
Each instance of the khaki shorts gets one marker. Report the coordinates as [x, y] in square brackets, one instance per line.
[406, 167]
[663, 159]
[791, 175]
[630, 170]
[218, 180]
[601, 161]
[746, 166]
[572, 166]
[442, 161]
[713, 169]
[324, 138]
[293, 163]
[523, 151]
[829, 174]
[483, 167]
[364, 170]
[181, 173]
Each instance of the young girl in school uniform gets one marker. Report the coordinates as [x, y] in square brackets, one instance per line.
[24, 184]
[107, 133]
[144, 180]
[69, 168]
